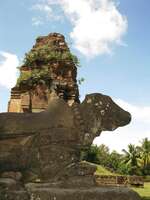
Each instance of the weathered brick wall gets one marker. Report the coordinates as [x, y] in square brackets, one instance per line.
[119, 180]
[14, 105]
[61, 77]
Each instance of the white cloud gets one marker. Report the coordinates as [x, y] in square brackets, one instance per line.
[8, 69]
[45, 8]
[42, 7]
[97, 24]
[138, 129]
[37, 21]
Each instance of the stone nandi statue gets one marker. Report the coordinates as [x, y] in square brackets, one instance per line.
[47, 145]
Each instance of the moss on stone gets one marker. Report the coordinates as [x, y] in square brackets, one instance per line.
[34, 76]
[46, 54]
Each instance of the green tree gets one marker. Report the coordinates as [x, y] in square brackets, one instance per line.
[97, 154]
[144, 151]
[114, 161]
[91, 154]
[131, 158]
[103, 155]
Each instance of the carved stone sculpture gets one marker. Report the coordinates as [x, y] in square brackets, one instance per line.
[47, 145]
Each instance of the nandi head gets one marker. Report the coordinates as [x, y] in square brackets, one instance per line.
[101, 113]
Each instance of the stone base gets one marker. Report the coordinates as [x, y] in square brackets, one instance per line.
[95, 193]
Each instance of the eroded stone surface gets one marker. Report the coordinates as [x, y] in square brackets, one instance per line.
[48, 67]
[85, 194]
[46, 146]
[103, 180]
[38, 192]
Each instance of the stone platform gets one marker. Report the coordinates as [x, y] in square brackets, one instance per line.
[37, 192]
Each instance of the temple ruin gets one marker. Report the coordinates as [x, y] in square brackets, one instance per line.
[49, 71]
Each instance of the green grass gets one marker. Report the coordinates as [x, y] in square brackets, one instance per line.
[100, 169]
[103, 171]
[146, 178]
[144, 192]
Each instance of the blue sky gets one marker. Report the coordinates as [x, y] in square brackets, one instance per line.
[114, 55]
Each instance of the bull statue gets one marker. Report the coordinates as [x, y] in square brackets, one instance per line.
[46, 146]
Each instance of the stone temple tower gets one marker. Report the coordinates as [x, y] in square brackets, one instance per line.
[49, 71]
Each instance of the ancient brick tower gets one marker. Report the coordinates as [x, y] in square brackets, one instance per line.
[49, 71]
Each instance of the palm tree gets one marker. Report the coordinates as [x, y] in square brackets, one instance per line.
[145, 156]
[131, 158]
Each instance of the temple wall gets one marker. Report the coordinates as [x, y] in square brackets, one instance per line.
[33, 89]
[14, 105]
[119, 180]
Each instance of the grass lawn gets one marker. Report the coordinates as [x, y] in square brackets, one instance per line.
[144, 192]
[102, 171]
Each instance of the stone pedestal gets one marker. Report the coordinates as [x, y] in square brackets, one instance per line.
[84, 194]
[93, 193]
